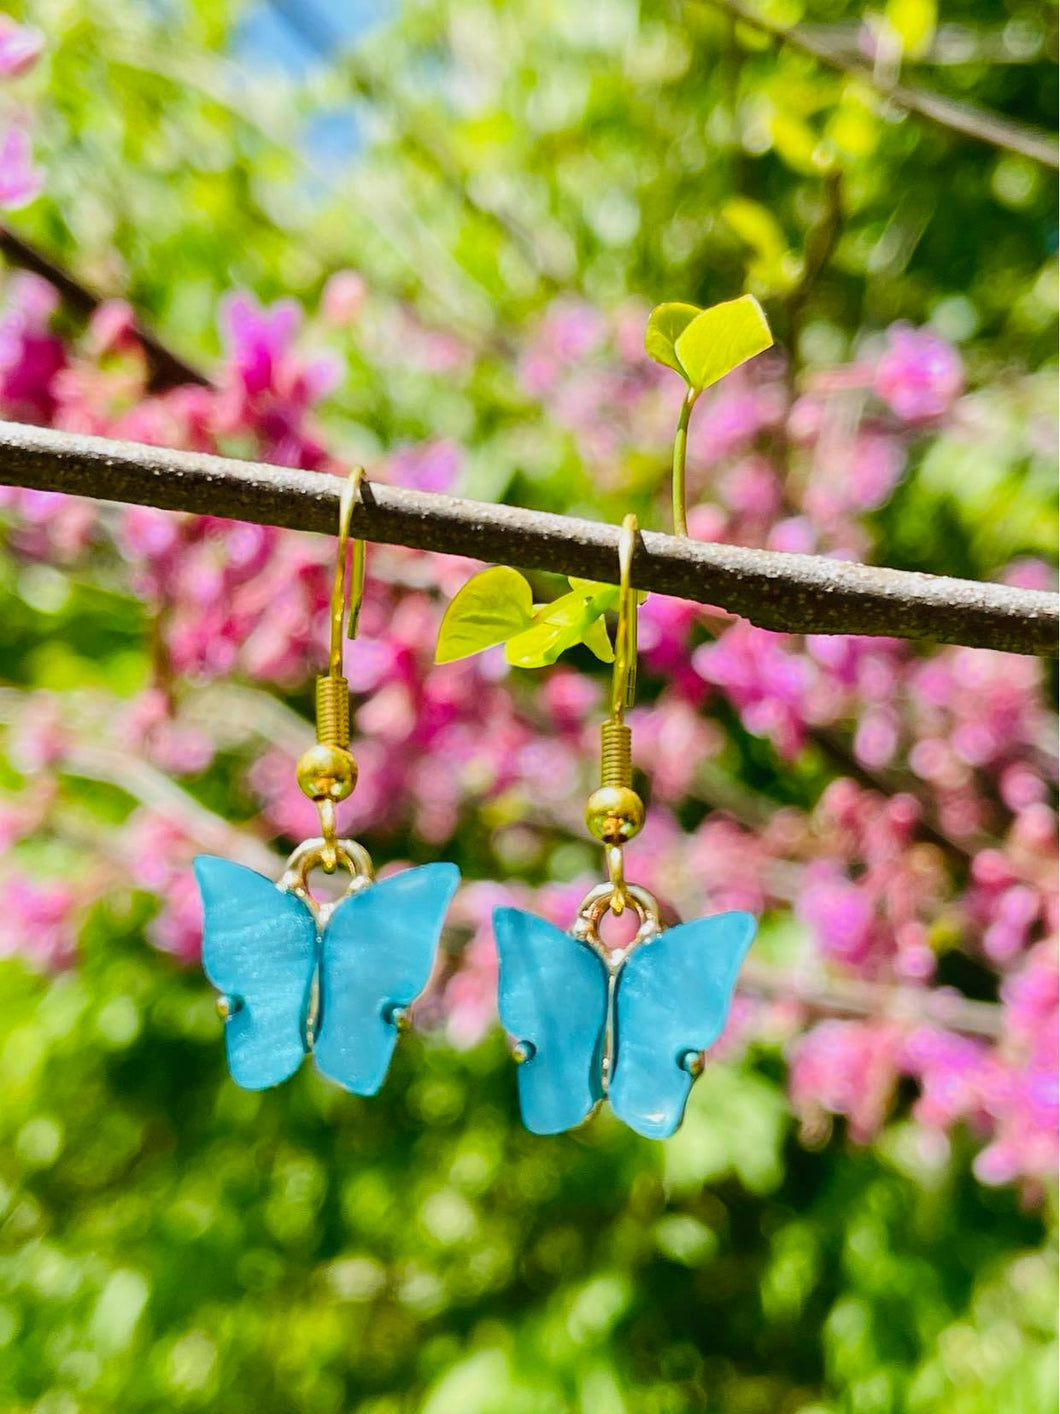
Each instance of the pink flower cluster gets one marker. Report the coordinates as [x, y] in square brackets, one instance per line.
[932, 838]
[20, 180]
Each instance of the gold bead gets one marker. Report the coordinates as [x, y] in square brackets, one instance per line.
[326, 772]
[614, 814]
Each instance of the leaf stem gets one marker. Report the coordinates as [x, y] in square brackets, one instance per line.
[680, 448]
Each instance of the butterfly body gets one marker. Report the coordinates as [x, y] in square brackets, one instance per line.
[333, 980]
[628, 1024]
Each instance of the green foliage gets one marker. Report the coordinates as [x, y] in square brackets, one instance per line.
[666, 324]
[704, 345]
[496, 606]
[490, 608]
[168, 1241]
[913, 23]
[774, 268]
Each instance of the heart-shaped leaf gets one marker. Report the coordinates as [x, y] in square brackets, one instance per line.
[491, 608]
[720, 339]
[666, 323]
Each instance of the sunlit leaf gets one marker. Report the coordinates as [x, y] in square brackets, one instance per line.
[489, 609]
[799, 147]
[721, 338]
[774, 268]
[666, 323]
[540, 645]
[913, 22]
[571, 619]
[757, 225]
[598, 641]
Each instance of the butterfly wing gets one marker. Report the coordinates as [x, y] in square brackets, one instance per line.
[258, 947]
[552, 997]
[377, 954]
[673, 997]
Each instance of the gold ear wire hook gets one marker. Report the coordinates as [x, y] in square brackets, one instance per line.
[327, 772]
[615, 812]
[624, 677]
[351, 494]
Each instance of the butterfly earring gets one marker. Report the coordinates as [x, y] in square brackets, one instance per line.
[299, 975]
[629, 1024]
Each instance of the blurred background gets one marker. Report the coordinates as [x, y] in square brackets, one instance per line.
[427, 235]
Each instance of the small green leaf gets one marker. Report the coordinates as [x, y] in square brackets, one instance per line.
[560, 625]
[721, 338]
[666, 323]
[597, 640]
[491, 608]
[540, 645]
[556, 627]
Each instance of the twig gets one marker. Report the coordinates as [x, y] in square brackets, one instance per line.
[820, 247]
[854, 997]
[977, 123]
[167, 369]
[785, 592]
[139, 779]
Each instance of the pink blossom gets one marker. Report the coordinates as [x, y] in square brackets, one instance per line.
[1030, 574]
[20, 181]
[571, 329]
[847, 1068]
[751, 489]
[768, 684]
[432, 466]
[919, 374]
[664, 633]
[177, 926]
[20, 47]
[343, 297]
[570, 698]
[795, 535]
[30, 355]
[731, 415]
[112, 329]
[673, 742]
[840, 914]
[469, 998]
[724, 867]
[257, 340]
[177, 747]
[38, 921]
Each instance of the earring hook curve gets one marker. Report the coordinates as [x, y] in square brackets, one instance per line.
[624, 675]
[351, 495]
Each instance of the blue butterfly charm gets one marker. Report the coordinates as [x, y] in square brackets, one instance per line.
[627, 1024]
[298, 976]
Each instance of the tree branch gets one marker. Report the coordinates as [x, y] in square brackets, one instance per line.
[977, 123]
[785, 592]
[167, 369]
[856, 998]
